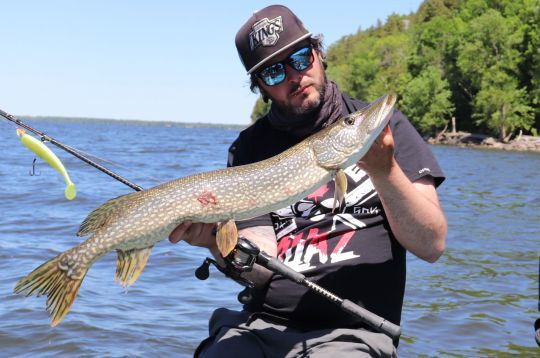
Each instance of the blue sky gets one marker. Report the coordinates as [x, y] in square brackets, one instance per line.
[151, 60]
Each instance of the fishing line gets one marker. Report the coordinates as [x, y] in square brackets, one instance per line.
[33, 172]
[242, 257]
[44, 137]
[100, 159]
[113, 163]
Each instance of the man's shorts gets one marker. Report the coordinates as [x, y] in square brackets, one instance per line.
[244, 334]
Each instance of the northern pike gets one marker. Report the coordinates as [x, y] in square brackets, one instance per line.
[131, 224]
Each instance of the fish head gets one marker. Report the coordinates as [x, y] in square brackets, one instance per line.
[347, 140]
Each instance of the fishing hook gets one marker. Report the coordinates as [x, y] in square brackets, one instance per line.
[71, 151]
[33, 172]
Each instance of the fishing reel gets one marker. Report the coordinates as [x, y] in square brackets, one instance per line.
[240, 260]
[246, 254]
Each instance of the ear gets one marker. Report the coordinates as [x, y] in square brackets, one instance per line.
[321, 59]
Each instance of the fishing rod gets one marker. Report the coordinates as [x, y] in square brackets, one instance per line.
[244, 255]
[45, 138]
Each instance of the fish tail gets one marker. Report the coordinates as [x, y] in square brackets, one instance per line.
[55, 281]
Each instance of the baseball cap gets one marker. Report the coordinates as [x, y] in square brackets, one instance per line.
[266, 34]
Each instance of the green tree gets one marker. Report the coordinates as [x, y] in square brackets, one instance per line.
[528, 13]
[391, 54]
[477, 60]
[362, 71]
[260, 109]
[501, 106]
[375, 68]
[352, 64]
[489, 59]
[426, 100]
[434, 44]
[491, 40]
[431, 9]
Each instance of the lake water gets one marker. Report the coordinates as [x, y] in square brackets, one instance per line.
[479, 299]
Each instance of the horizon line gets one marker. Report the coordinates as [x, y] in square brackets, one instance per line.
[149, 121]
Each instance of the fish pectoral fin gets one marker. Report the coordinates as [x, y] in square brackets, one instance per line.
[100, 216]
[340, 189]
[130, 263]
[226, 237]
[52, 279]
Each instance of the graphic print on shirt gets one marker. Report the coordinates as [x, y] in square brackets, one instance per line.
[309, 234]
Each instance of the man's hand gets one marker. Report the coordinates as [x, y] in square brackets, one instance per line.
[195, 234]
[203, 235]
[380, 157]
[413, 209]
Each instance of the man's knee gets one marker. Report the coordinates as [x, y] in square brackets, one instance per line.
[230, 342]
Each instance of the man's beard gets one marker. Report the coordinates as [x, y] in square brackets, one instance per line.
[308, 108]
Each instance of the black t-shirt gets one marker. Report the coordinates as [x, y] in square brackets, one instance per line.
[352, 253]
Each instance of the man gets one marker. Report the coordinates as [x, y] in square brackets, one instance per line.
[357, 252]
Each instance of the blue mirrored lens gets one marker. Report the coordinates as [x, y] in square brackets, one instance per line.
[275, 74]
[302, 59]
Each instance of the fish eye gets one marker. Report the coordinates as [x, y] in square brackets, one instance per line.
[349, 121]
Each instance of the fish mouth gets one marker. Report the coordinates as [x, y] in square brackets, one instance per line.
[378, 117]
[385, 109]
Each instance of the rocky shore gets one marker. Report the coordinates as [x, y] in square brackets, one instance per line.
[522, 143]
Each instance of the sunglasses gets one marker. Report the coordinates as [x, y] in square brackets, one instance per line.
[275, 74]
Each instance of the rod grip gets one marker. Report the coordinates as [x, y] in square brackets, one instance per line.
[371, 319]
[277, 266]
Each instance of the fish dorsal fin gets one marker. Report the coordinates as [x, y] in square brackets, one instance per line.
[100, 216]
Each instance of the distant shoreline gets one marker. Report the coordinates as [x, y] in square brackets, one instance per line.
[522, 143]
[133, 121]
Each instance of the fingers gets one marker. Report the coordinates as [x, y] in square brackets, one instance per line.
[208, 230]
[178, 233]
[195, 234]
[379, 156]
[384, 137]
